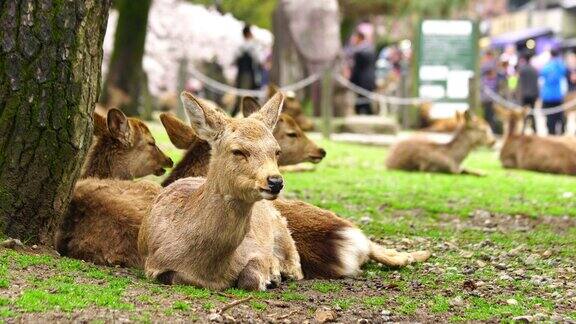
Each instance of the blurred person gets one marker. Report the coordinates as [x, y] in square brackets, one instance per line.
[553, 74]
[490, 80]
[571, 73]
[363, 72]
[248, 64]
[528, 88]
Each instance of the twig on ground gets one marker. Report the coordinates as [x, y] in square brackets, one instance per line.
[234, 304]
[287, 315]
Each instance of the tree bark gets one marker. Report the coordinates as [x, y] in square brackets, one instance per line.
[125, 70]
[50, 61]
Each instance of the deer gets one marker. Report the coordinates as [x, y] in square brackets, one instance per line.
[224, 232]
[417, 154]
[442, 125]
[123, 148]
[329, 246]
[548, 154]
[295, 146]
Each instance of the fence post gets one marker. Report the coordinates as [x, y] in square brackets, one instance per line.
[326, 101]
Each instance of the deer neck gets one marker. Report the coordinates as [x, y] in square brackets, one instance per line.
[102, 161]
[224, 223]
[460, 146]
[194, 163]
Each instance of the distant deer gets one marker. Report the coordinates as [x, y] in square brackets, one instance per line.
[549, 154]
[449, 124]
[295, 145]
[226, 230]
[123, 148]
[424, 155]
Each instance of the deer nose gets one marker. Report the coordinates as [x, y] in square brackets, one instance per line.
[322, 152]
[169, 163]
[275, 183]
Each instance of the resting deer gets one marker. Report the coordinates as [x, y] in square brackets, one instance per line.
[225, 231]
[123, 148]
[295, 145]
[425, 155]
[329, 246]
[549, 154]
[449, 124]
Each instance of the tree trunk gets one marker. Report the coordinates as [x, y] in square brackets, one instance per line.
[125, 70]
[50, 60]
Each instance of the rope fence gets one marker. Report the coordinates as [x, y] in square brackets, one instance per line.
[373, 96]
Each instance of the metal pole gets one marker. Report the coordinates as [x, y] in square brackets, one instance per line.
[326, 101]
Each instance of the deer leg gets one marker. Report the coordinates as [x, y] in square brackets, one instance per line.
[285, 251]
[476, 173]
[255, 275]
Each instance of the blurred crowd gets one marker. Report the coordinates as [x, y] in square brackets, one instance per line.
[548, 79]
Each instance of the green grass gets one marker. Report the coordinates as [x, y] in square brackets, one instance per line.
[326, 287]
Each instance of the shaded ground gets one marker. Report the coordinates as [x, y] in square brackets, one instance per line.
[504, 246]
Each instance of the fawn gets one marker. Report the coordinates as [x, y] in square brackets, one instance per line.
[225, 231]
[123, 148]
[424, 155]
[295, 145]
[549, 154]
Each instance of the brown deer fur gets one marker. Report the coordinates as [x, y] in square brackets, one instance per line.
[442, 125]
[103, 220]
[550, 154]
[295, 146]
[123, 148]
[424, 155]
[225, 231]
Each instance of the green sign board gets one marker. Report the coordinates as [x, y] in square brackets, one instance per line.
[446, 59]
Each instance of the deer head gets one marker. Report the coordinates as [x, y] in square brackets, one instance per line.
[477, 130]
[128, 145]
[244, 160]
[296, 146]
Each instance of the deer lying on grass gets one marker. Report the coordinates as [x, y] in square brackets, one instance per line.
[329, 246]
[439, 125]
[549, 154]
[224, 231]
[427, 156]
[123, 148]
[295, 145]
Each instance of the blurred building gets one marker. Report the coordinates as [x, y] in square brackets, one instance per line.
[534, 26]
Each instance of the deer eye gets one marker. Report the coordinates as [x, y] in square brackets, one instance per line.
[151, 143]
[293, 135]
[240, 153]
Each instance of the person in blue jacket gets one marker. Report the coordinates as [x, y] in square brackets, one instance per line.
[553, 75]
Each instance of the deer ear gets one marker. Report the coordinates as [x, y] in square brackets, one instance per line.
[180, 134]
[468, 116]
[100, 125]
[206, 120]
[248, 106]
[270, 112]
[118, 126]
[272, 90]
